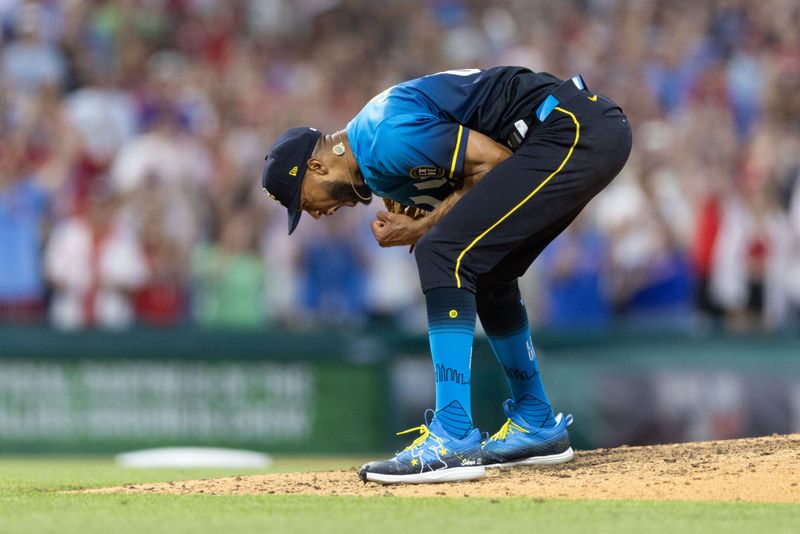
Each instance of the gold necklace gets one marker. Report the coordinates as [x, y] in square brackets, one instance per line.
[340, 151]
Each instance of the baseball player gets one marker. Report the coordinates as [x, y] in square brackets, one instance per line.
[501, 161]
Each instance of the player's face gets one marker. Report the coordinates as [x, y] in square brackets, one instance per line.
[322, 195]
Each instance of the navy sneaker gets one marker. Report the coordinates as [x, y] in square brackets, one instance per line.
[518, 443]
[434, 456]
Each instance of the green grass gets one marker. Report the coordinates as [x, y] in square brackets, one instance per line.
[31, 500]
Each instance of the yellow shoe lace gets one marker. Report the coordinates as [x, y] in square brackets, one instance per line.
[424, 435]
[509, 426]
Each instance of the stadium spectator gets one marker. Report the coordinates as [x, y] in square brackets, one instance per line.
[24, 217]
[94, 263]
[750, 260]
[573, 273]
[162, 300]
[229, 278]
[29, 61]
[332, 270]
[105, 118]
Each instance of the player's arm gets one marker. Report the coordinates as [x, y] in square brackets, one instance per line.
[482, 155]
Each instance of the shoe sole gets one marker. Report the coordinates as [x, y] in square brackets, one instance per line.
[453, 474]
[552, 459]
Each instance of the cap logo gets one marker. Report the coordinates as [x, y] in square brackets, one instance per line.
[293, 172]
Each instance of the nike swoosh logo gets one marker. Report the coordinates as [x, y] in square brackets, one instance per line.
[593, 98]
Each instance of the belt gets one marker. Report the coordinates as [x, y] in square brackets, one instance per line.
[566, 90]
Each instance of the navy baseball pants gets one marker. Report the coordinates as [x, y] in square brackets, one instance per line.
[492, 235]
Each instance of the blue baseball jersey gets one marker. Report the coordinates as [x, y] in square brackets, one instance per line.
[410, 140]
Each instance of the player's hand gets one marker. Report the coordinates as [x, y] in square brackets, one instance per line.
[395, 229]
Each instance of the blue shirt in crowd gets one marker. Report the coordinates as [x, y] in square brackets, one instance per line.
[23, 209]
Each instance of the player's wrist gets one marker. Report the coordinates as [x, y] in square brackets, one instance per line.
[423, 224]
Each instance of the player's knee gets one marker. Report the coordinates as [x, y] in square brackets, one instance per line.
[424, 249]
[493, 294]
[431, 257]
[437, 265]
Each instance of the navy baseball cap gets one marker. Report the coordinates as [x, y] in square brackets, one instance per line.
[285, 167]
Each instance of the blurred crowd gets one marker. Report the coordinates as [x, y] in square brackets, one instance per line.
[133, 133]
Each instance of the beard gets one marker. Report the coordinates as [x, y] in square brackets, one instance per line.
[342, 191]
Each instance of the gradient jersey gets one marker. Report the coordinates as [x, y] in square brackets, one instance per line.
[410, 140]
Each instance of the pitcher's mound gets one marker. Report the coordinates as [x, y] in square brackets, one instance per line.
[758, 469]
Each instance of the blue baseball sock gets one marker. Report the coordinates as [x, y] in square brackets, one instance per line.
[510, 338]
[451, 328]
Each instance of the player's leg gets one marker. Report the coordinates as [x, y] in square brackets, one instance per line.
[533, 433]
[449, 447]
[505, 320]
[451, 328]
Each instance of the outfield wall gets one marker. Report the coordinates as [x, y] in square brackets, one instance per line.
[328, 392]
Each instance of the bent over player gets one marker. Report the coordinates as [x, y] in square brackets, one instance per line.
[502, 160]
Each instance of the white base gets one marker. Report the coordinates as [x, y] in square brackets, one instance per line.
[552, 459]
[453, 474]
[194, 457]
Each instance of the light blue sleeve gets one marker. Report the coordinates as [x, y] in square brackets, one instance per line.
[420, 146]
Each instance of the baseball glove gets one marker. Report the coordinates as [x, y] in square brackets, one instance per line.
[395, 207]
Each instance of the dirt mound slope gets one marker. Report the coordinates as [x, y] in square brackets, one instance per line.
[758, 469]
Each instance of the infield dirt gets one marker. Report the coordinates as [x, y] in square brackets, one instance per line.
[758, 469]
